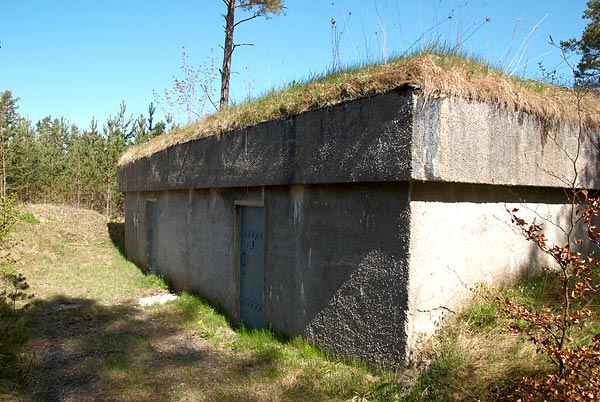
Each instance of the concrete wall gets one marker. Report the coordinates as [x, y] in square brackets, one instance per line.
[361, 141]
[379, 213]
[398, 136]
[464, 141]
[335, 258]
[195, 238]
[469, 240]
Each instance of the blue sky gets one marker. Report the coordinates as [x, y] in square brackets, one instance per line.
[81, 58]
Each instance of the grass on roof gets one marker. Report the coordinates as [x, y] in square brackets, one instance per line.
[436, 74]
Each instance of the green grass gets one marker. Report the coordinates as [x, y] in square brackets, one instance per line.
[437, 70]
[87, 338]
[29, 218]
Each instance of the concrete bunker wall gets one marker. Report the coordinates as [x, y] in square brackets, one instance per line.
[379, 214]
[335, 258]
[471, 240]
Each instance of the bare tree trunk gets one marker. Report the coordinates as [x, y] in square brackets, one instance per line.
[108, 182]
[3, 170]
[3, 164]
[227, 51]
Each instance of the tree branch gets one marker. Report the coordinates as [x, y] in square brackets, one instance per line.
[246, 20]
[208, 97]
[241, 44]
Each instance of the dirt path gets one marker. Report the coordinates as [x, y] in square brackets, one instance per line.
[79, 349]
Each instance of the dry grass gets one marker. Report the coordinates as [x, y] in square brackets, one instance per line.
[435, 75]
[90, 340]
[471, 365]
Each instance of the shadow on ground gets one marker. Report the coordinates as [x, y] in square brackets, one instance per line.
[82, 351]
[116, 231]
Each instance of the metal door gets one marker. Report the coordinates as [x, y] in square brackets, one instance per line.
[151, 222]
[252, 261]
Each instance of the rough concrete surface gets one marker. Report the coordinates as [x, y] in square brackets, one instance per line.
[464, 141]
[462, 235]
[364, 140]
[379, 214]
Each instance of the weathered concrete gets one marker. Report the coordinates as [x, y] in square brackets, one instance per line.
[464, 141]
[333, 275]
[470, 239]
[393, 137]
[361, 141]
[338, 267]
[379, 214]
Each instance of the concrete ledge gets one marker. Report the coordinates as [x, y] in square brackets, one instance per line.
[397, 136]
[464, 141]
[360, 141]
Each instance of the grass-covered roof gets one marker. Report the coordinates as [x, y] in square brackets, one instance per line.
[435, 75]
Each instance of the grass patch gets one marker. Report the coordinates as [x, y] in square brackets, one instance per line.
[476, 356]
[87, 337]
[437, 72]
[29, 218]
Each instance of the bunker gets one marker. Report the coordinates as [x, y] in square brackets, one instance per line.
[360, 226]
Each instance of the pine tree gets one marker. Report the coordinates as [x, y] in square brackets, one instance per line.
[260, 8]
[23, 161]
[52, 135]
[118, 135]
[93, 146]
[588, 69]
[8, 115]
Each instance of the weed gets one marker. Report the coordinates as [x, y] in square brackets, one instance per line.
[152, 281]
[28, 218]
[205, 331]
[481, 315]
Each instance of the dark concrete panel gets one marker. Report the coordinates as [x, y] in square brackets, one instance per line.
[451, 192]
[134, 237]
[336, 270]
[360, 141]
[335, 258]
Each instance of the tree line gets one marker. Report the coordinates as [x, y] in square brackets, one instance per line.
[54, 161]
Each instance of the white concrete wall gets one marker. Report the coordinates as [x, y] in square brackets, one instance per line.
[456, 245]
[465, 141]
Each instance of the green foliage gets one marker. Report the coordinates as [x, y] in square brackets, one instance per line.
[448, 368]
[13, 285]
[15, 290]
[154, 281]
[588, 47]
[28, 218]
[14, 294]
[262, 7]
[9, 213]
[481, 315]
[56, 162]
